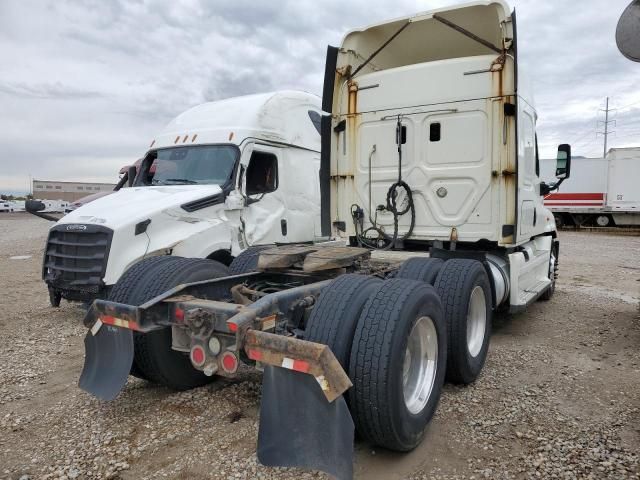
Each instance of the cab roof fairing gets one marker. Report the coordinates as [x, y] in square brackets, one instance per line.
[426, 39]
[281, 117]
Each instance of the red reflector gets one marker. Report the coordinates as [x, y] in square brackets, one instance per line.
[197, 356]
[300, 366]
[255, 355]
[119, 322]
[179, 314]
[297, 365]
[232, 327]
[229, 362]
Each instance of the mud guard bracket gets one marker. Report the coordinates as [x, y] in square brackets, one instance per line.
[315, 359]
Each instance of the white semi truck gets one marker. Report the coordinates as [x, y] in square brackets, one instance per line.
[251, 159]
[429, 146]
[603, 192]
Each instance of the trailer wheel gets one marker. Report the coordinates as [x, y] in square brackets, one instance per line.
[154, 359]
[423, 269]
[463, 286]
[247, 261]
[397, 363]
[335, 315]
[603, 220]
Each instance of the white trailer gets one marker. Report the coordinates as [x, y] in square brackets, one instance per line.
[429, 147]
[187, 191]
[601, 192]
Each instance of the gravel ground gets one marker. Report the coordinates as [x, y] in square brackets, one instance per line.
[558, 398]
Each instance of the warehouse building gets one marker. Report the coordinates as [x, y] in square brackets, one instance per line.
[67, 191]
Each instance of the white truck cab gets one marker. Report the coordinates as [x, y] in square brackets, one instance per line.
[252, 159]
[437, 106]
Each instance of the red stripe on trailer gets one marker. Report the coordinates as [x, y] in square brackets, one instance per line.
[575, 196]
[566, 204]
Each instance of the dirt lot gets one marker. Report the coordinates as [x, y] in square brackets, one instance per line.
[559, 396]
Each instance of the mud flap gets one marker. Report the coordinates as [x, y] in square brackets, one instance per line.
[300, 428]
[108, 356]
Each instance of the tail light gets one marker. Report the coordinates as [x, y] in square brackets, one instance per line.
[229, 362]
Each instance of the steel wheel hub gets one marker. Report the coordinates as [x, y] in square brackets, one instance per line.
[476, 321]
[420, 365]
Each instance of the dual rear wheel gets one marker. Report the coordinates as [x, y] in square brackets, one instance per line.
[399, 338]
[390, 337]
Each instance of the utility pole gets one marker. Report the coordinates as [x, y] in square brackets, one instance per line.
[606, 126]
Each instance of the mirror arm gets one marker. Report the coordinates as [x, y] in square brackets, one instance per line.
[548, 188]
[132, 171]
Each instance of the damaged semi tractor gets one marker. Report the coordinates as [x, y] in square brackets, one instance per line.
[430, 145]
[251, 160]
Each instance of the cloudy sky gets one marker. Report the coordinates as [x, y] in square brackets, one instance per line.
[85, 84]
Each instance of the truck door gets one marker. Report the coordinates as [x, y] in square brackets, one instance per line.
[301, 189]
[263, 219]
[528, 195]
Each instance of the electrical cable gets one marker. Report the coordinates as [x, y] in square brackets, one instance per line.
[357, 214]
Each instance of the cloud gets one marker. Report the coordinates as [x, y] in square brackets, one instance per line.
[86, 84]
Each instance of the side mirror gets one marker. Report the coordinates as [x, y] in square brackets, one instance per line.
[563, 162]
[131, 175]
[628, 32]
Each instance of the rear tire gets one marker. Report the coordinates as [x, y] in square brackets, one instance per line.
[553, 267]
[335, 315]
[247, 261]
[381, 373]
[154, 359]
[422, 269]
[465, 291]
[603, 220]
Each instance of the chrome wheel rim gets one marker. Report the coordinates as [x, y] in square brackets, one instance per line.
[476, 321]
[420, 365]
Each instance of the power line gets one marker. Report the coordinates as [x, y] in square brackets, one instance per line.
[629, 105]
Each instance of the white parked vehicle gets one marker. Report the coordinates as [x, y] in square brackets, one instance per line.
[11, 206]
[17, 205]
[54, 206]
[430, 147]
[253, 159]
[602, 191]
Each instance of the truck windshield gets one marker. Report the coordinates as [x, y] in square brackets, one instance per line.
[196, 165]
